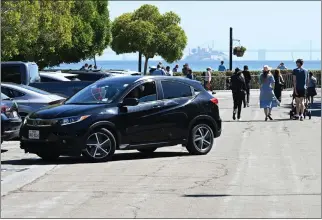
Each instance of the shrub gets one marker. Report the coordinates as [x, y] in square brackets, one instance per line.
[218, 81]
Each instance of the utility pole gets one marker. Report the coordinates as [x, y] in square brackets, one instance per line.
[231, 49]
[140, 62]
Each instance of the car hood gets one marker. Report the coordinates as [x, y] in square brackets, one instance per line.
[55, 97]
[67, 110]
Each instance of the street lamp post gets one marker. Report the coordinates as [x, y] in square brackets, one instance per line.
[231, 41]
[231, 49]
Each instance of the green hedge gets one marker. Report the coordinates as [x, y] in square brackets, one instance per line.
[218, 81]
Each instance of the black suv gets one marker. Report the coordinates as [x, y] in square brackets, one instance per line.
[123, 113]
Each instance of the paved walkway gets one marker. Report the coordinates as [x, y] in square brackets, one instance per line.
[257, 169]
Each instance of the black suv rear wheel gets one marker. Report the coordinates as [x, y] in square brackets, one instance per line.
[201, 139]
[100, 145]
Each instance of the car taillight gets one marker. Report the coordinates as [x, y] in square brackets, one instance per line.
[214, 100]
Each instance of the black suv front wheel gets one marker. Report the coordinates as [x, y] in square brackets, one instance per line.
[100, 145]
[201, 139]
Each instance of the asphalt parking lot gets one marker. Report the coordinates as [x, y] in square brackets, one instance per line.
[256, 169]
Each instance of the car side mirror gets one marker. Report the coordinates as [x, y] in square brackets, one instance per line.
[129, 102]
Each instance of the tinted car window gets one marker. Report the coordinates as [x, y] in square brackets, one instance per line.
[35, 90]
[46, 79]
[11, 92]
[33, 73]
[145, 92]
[99, 92]
[90, 76]
[173, 90]
[11, 74]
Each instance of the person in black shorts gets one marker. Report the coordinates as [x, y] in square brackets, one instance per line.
[300, 83]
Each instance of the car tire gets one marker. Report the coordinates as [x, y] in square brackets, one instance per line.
[100, 145]
[201, 139]
[147, 150]
[48, 156]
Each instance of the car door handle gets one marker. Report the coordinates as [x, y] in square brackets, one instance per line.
[156, 106]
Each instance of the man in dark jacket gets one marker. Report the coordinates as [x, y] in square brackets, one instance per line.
[248, 79]
[238, 87]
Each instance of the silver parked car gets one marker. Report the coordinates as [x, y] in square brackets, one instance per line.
[29, 99]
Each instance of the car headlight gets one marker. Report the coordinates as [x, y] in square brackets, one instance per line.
[25, 120]
[71, 120]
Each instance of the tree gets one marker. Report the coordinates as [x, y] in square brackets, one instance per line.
[19, 30]
[91, 31]
[52, 32]
[150, 33]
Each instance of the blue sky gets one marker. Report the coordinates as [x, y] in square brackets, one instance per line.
[259, 25]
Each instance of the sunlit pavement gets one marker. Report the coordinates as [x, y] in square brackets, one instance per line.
[256, 169]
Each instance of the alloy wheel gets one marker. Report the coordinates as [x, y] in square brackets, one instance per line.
[98, 145]
[202, 138]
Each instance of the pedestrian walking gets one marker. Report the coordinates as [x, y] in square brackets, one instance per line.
[279, 84]
[159, 71]
[267, 99]
[248, 79]
[168, 71]
[282, 66]
[311, 90]
[185, 69]
[221, 67]
[207, 79]
[84, 67]
[175, 69]
[300, 83]
[238, 88]
[190, 74]
[151, 69]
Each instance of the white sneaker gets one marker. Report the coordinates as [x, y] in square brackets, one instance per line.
[239, 119]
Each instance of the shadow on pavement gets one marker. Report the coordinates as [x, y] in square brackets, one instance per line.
[227, 195]
[75, 160]
[275, 120]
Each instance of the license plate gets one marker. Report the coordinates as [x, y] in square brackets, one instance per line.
[33, 134]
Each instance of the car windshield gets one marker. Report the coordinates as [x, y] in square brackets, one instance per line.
[35, 90]
[102, 92]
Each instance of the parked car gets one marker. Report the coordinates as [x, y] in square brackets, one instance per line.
[124, 72]
[28, 98]
[10, 119]
[123, 113]
[57, 77]
[28, 74]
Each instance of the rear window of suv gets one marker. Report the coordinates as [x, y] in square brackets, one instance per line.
[172, 90]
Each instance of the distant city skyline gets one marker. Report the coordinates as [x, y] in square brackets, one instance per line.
[258, 25]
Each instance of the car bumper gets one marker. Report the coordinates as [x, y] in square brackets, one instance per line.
[10, 129]
[218, 130]
[67, 140]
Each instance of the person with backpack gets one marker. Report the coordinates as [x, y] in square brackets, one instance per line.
[238, 88]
